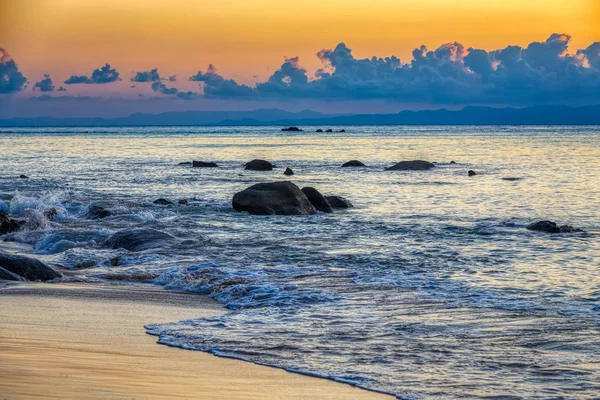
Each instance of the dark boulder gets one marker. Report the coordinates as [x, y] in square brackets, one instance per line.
[182, 202]
[288, 172]
[6, 275]
[281, 198]
[452, 162]
[415, 165]
[162, 202]
[8, 225]
[29, 268]
[338, 202]
[511, 179]
[258, 165]
[50, 213]
[551, 227]
[471, 173]
[353, 163]
[291, 129]
[203, 164]
[329, 131]
[317, 199]
[185, 163]
[23, 176]
[138, 239]
[319, 131]
[342, 131]
[97, 212]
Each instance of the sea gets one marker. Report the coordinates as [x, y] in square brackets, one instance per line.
[429, 287]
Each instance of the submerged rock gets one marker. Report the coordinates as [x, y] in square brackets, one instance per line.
[50, 213]
[415, 165]
[23, 176]
[552, 227]
[182, 202]
[291, 129]
[511, 179]
[138, 239]
[329, 131]
[162, 201]
[185, 163]
[342, 131]
[258, 165]
[452, 162]
[471, 172]
[281, 198]
[6, 275]
[319, 131]
[29, 268]
[97, 212]
[317, 199]
[338, 202]
[203, 164]
[353, 163]
[288, 172]
[8, 225]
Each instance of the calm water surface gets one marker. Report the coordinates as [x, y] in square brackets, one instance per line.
[430, 287]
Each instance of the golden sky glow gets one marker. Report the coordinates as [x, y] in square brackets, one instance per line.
[243, 38]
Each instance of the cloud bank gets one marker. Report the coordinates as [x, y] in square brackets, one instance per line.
[11, 79]
[159, 87]
[452, 73]
[105, 74]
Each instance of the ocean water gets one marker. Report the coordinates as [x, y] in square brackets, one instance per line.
[430, 287]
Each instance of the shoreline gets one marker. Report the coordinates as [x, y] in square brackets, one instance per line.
[89, 341]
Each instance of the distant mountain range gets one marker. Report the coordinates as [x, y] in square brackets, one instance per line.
[539, 115]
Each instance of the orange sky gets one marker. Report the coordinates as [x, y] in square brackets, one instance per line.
[243, 38]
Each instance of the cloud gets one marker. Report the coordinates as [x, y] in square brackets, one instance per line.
[11, 79]
[162, 88]
[45, 85]
[62, 89]
[450, 74]
[105, 74]
[172, 78]
[146, 76]
[46, 97]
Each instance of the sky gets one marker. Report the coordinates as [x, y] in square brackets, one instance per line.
[117, 57]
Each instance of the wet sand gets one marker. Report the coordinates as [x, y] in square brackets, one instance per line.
[77, 341]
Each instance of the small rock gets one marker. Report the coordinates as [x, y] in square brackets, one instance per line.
[182, 202]
[511, 179]
[8, 225]
[288, 172]
[138, 239]
[338, 202]
[162, 201]
[415, 165]
[329, 131]
[319, 130]
[115, 261]
[279, 198]
[471, 172]
[85, 265]
[452, 162]
[353, 163]
[317, 199]
[97, 212]
[185, 163]
[551, 227]
[291, 129]
[50, 213]
[258, 165]
[203, 164]
[342, 131]
[23, 176]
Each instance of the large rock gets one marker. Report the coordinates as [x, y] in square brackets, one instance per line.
[317, 199]
[281, 198]
[8, 225]
[353, 163]
[29, 268]
[291, 129]
[203, 164]
[551, 227]
[415, 165]
[162, 202]
[138, 239]
[338, 202]
[6, 275]
[258, 165]
[97, 212]
[288, 172]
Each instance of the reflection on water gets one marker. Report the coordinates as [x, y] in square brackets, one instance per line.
[429, 287]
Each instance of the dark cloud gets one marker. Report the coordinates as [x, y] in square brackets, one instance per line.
[45, 85]
[62, 89]
[172, 78]
[11, 79]
[46, 97]
[541, 72]
[105, 74]
[146, 76]
[162, 88]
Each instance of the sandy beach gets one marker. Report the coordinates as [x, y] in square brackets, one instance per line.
[76, 341]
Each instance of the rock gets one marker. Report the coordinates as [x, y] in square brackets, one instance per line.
[415, 165]
[203, 164]
[452, 162]
[471, 172]
[353, 163]
[138, 239]
[281, 198]
[342, 131]
[85, 265]
[288, 172]
[97, 212]
[182, 202]
[291, 129]
[319, 131]
[338, 202]
[50, 213]
[29, 268]
[8, 225]
[23, 176]
[317, 199]
[6, 275]
[185, 163]
[115, 261]
[162, 201]
[258, 165]
[511, 179]
[329, 131]
[552, 227]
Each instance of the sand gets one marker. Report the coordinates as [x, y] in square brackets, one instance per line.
[65, 341]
